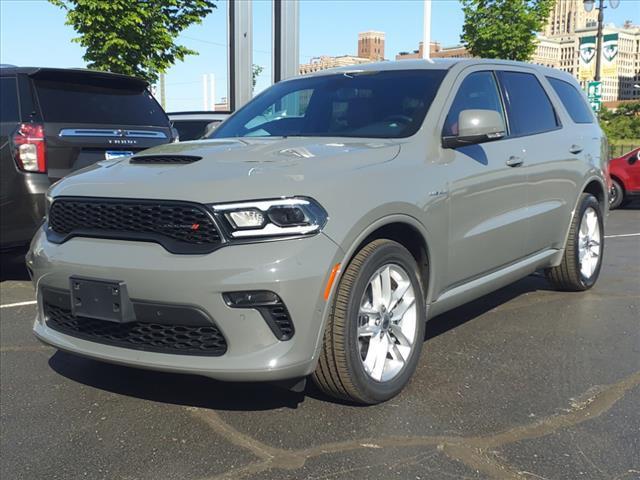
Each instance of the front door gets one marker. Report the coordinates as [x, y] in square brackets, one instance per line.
[487, 198]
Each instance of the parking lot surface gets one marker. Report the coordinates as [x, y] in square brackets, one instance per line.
[525, 383]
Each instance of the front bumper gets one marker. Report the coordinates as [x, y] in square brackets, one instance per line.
[297, 270]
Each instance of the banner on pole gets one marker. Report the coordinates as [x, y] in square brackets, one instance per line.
[608, 62]
[610, 55]
[587, 64]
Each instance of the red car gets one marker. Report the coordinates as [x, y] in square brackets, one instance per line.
[625, 179]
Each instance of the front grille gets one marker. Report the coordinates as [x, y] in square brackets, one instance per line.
[154, 337]
[164, 159]
[178, 226]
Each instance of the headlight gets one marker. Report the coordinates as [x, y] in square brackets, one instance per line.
[272, 218]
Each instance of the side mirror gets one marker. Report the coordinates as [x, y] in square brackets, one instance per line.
[476, 126]
[633, 158]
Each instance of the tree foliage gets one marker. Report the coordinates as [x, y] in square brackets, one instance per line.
[134, 37]
[622, 124]
[256, 70]
[503, 29]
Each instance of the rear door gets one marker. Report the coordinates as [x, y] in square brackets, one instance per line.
[552, 156]
[90, 117]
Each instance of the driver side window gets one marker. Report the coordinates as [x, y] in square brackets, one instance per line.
[292, 105]
[477, 91]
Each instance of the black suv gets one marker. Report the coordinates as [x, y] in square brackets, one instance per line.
[54, 121]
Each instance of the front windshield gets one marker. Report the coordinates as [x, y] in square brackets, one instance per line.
[384, 104]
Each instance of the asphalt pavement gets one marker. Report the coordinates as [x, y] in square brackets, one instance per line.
[525, 383]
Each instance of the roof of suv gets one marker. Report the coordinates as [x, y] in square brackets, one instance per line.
[435, 64]
[70, 74]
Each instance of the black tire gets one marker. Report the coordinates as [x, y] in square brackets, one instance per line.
[340, 372]
[567, 275]
[616, 196]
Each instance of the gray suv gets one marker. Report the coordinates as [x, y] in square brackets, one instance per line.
[324, 223]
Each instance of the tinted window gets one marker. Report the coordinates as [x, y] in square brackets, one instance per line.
[388, 104]
[8, 100]
[194, 129]
[69, 102]
[477, 91]
[572, 101]
[530, 110]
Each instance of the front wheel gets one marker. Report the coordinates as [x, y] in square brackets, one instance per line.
[375, 331]
[582, 258]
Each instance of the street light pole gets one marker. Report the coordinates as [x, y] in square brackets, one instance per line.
[599, 39]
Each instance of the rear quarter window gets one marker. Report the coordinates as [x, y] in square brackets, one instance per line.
[70, 102]
[9, 111]
[572, 100]
[529, 109]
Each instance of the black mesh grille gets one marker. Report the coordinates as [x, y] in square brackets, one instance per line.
[155, 337]
[185, 223]
[165, 159]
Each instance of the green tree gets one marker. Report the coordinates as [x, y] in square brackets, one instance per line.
[134, 37]
[255, 73]
[623, 124]
[503, 28]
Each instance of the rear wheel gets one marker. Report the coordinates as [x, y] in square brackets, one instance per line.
[376, 327]
[616, 195]
[582, 258]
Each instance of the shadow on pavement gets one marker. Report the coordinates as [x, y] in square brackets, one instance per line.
[633, 205]
[12, 265]
[196, 391]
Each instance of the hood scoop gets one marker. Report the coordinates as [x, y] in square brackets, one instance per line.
[164, 159]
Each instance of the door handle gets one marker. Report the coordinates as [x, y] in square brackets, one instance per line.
[575, 149]
[514, 161]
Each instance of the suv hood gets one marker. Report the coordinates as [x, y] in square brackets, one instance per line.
[234, 170]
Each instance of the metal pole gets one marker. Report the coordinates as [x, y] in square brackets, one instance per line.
[286, 39]
[599, 39]
[212, 91]
[426, 32]
[163, 98]
[205, 93]
[240, 56]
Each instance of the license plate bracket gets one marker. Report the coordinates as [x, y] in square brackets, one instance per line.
[101, 299]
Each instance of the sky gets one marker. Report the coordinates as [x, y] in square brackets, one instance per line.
[33, 33]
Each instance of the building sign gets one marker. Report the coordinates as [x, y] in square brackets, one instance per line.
[594, 94]
[609, 60]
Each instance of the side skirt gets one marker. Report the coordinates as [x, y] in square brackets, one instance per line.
[478, 287]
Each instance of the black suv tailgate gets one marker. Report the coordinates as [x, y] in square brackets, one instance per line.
[90, 116]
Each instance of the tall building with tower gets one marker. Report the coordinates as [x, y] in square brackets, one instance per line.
[567, 16]
[370, 49]
[371, 45]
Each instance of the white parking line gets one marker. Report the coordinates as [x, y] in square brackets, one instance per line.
[623, 235]
[19, 304]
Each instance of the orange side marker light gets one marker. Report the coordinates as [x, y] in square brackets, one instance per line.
[332, 277]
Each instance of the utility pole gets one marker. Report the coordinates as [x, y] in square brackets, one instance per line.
[426, 30]
[163, 99]
[205, 92]
[588, 6]
[599, 39]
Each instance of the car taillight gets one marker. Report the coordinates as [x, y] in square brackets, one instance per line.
[29, 148]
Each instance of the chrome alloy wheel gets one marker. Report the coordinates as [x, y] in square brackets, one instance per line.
[387, 323]
[589, 242]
